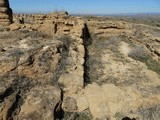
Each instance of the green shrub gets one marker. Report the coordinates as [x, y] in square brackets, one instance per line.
[113, 40]
[139, 53]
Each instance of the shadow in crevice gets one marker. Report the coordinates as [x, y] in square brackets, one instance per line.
[87, 40]
[58, 111]
[127, 118]
[15, 94]
[6, 93]
[15, 108]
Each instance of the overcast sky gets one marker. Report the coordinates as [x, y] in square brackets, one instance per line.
[87, 6]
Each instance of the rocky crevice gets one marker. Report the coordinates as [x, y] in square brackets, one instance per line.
[87, 40]
[13, 98]
[58, 111]
[86, 68]
[5, 94]
[15, 106]
[20, 86]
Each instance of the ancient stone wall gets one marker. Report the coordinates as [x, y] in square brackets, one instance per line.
[5, 13]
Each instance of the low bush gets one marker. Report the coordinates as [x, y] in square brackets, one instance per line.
[139, 53]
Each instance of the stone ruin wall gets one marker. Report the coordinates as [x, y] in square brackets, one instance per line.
[5, 13]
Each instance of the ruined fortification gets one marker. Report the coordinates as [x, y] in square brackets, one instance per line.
[5, 13]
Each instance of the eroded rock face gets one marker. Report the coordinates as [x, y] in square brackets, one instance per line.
[40, 103]
[5, 13]
[111, 102]
[33, 64]
[69, 104]
[96, 101]
[36, 62]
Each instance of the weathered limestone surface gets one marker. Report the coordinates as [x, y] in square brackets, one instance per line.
[38, 67]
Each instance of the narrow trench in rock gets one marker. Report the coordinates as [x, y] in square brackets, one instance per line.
[86, 67]
[20, 87]
[5, 94]
[13, 98]
[87, 40]
[15, 107]
[58, 111]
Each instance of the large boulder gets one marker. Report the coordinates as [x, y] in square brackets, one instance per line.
[40, 103]
[71, 82]
[97, 103]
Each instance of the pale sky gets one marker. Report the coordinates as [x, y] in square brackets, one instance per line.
[87, 6]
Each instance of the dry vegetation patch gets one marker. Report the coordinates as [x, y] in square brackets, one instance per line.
[140, 53]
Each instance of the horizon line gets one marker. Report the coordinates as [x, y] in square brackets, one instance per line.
[47, 12]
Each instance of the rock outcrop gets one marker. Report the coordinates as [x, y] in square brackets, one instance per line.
[45, 65]
[50, 70]
[36, 104]
[5, 13]
[108, 100]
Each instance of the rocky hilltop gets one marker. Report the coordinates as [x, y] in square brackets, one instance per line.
[60, 67]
